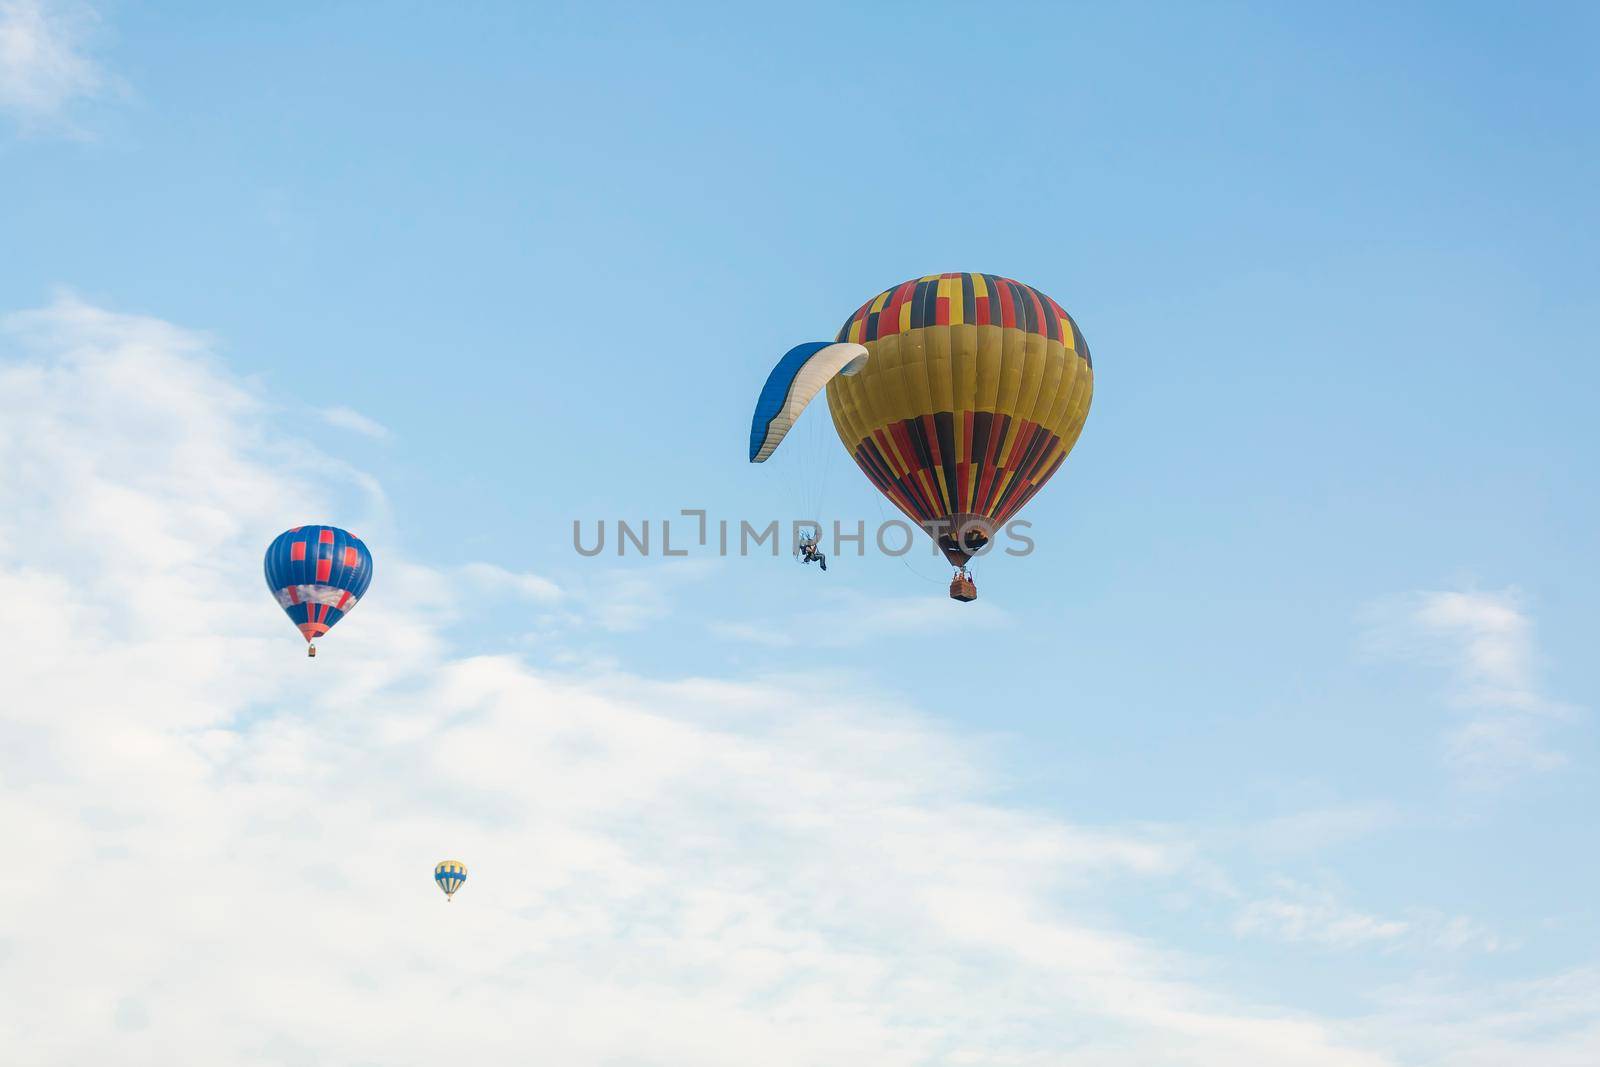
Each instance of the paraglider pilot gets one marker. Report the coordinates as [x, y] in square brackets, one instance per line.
[811, 553]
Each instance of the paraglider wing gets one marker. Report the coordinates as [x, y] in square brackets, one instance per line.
[317, 574]
[799, 376]
[449, 876]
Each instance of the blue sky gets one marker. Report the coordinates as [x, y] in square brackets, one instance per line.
[1310, 618]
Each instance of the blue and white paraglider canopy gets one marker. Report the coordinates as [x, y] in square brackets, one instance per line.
[799, 376]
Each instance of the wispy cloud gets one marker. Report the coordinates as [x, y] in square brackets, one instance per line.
[1551, 1021]
[1459, 933]
[846, 618]
[349, 419]
[45, 66]
[625, 600]
[1301, 915]
[1485, 642]
[1295, 913]
[832, 885]
[498, 580]
[1316, 829]
[795, 889]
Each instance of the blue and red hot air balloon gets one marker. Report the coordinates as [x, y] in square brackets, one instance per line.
[318, 574]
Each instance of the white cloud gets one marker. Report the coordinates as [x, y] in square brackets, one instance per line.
[1551, 1021]
[1485, 641]
[624, 600]
[349, 419]
[1315, 917]
[847, 618]
[1493, 646]
[44, 63]
[1459, 933]
[498, 580]
[1316, 829]
[216, 843]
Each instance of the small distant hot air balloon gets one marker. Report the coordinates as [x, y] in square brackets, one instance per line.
[958, 395]
[449, 875]
[318, 573]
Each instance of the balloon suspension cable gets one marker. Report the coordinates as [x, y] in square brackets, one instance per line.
[883, 517]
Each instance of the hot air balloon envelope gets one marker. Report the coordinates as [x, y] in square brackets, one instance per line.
[974, 390]
[450, 875]
[318, 574]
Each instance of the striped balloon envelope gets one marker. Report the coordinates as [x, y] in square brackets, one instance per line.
[974, 390]
[318, 574]
[449, 875]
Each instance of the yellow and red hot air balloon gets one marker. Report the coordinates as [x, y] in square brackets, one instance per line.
[958, 395]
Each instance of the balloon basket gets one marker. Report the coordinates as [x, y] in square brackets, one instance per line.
[311, 650]
[962, 588]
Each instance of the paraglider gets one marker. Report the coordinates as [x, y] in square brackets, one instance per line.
[449, 875]
[318, 574]
[958, 396]
[811, 552]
